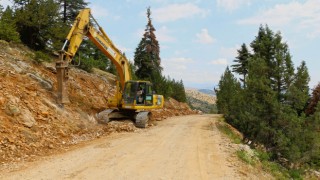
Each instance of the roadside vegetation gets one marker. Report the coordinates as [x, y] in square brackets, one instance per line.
[271, 105]
[257, 156]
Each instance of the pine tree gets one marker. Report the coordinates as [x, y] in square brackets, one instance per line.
[228, 89]
[35, 20]
[270, 109]
[70, 9]
[313, 101]
[8, 30]
[298, 92]
[147, 54]
[1, 10]
[179, 91]
[312, 138]
[269, 47]
[242, 63]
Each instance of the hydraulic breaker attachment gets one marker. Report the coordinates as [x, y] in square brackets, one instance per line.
[62, 78]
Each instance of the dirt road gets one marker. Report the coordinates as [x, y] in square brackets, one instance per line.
[185, 147]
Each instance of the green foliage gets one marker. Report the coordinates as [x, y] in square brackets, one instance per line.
[40, 56]
[298, 92]
[8, 30]
[70, 9]
[132, 70]
[278, 171]
[269, 108]
[244, 156]
[225, 129]
[147, 54]
[229, 87]
[311, 108]
[170, 88]
[201, 105]
[242, 61]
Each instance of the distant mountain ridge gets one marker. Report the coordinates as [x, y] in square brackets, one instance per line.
[202, 99]
[207, 91]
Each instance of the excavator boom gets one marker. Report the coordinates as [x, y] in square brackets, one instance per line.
[84, 27]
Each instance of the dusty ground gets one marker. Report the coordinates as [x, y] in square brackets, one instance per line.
[184, 147]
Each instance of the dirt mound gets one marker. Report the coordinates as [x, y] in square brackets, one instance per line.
[32, 124]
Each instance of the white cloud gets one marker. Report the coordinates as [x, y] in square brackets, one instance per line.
[297, 15]
[99, 11]
[220, 61]
[163, 35]
[204, 37]
[5, 3]
[231, 5]
[229, 52]
[184, 68]
[176, 64]
[175, 12]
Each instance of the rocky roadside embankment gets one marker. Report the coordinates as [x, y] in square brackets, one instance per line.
[33, 125]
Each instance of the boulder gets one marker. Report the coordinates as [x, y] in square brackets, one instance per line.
[26, 118]
[44, 83]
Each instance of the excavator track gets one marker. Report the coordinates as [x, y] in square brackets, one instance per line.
[142, 119]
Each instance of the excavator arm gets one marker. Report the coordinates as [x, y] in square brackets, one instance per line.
[86, 26]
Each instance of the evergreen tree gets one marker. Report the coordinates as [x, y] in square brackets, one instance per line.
[312, 138]
[229, 88]
[35, 20]
[314, 100]
[1, 10]
[179, 91]
[242, 63]
[147, 54]
[8, 27]
[70, 9]
[269, 109]
[298, 92]
[269, 46]
[261, 102]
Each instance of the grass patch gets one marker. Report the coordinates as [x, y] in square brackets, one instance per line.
[245, 157]
[225, 129]
[278, 171]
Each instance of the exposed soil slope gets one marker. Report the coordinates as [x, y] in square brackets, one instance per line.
[31, 123]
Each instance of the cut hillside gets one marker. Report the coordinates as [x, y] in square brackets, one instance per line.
[31, 122]
[200, 101]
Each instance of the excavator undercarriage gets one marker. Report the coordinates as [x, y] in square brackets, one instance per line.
[140, 118]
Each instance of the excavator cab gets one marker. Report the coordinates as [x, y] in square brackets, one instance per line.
[138, 93]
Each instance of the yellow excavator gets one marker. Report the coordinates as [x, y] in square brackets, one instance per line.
[132, 99]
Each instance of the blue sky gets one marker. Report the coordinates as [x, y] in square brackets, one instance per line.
[198, 39]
